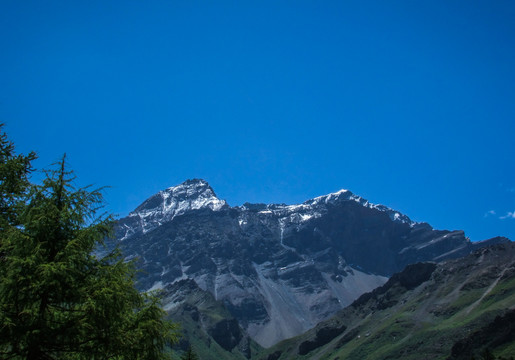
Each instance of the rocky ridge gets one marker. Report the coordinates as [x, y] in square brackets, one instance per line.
[279, 269]
[165, 205]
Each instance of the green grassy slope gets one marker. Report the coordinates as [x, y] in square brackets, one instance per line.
[422, 313]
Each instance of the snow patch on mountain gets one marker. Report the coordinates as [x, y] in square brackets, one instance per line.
[314, 208]
[191, 195]
[196, 194]
[346, 195]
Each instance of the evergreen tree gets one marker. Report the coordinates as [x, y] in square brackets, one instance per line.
[14, 172]
[58, 300]
[487, 355]
[189, 354]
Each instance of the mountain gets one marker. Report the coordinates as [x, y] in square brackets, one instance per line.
[166, 205]
[206, 324]
[278, 269]
[454, 310]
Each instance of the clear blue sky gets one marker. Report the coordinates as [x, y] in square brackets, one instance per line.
[407, 103]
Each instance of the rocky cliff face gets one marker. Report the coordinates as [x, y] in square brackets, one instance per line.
[279, 269]
[204, 319]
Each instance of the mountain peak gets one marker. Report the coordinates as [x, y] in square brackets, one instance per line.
[347, 195]
[193, 194]
[342, 194]
[194, 182]
[191, 189]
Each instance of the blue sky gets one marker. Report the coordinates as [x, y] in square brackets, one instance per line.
[408, 104]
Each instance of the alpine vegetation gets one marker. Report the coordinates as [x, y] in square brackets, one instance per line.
[58, 299]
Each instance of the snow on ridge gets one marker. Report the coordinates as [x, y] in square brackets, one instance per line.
[347, 195]
[190, 195]
[176, 200]
[299, 213]
[393, 214]
[330, 197]
[197, 194]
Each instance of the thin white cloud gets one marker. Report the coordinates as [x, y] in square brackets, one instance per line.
[509, 215]
[490, 213]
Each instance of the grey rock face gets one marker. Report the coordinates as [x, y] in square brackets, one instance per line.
[279, 269]
[187, 303]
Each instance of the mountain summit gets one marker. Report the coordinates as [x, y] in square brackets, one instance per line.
[162, 207]
[279, 269]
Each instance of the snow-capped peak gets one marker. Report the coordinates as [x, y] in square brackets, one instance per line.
[196, 194]
[192, 194]
[346, 195]
[314, 208]
[349, 196]
[342, 194]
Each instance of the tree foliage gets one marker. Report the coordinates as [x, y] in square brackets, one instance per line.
[189, 354]
[14, 172]
[58, 298]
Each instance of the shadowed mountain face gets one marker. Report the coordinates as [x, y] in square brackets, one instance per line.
[279, 269]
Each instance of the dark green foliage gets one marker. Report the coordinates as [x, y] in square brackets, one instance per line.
[487, 355]
[58, 300]
[189, 354]
[14, 172]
